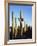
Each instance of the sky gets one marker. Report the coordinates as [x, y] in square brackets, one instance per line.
[26, 11]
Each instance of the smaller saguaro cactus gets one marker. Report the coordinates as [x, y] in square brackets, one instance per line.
[26, 28]
[15, 27]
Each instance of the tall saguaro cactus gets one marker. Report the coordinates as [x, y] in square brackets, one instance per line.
[12, 23]
[21, 20]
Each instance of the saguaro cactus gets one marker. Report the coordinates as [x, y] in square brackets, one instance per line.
[15, 27]
[21, 20]
[13, 23]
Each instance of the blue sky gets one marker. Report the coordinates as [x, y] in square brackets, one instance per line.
[26, 12]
